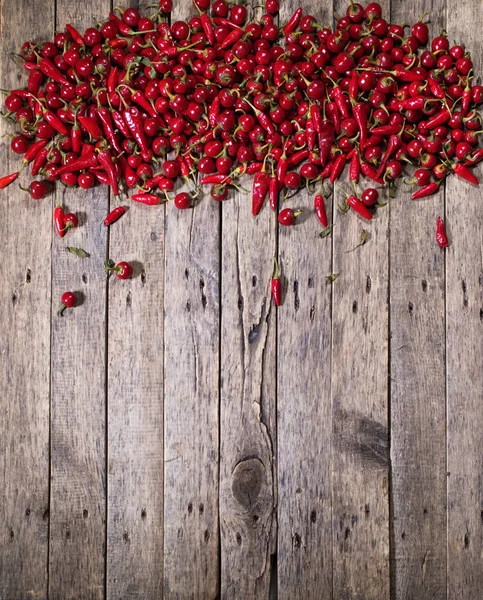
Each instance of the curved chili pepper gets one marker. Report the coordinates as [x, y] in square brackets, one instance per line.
[406, 75]
[134, 121]
[426, 190]
[341, 101]
[338, 167]
[293, 22]
[231, 39]
[33, 151]
[114, 215]
[265, 121]
[273, 192]
[54, 121]
[254, 167]
[436, 90]
[463, 172]
[297, 157]
[358, 207]
[326, 171]
[353, 87]
[34, 81]
[123, 28]
[105, 160]
[130, 176]
[39, 160]
[392, 145]
[101, 176]
[214, 112]
[370, 172]
[440, 119]
[140, 99]
[59, 221]
[208, 28]
[276, 285]
[8, 179]
[91, 126]
[48, 68]
[76, 138]
[149, 199]
[215, 178]
[121, 124]
[81, 163]
[106, 121]
[355, 167]
[414, 103]
[441, 236]
[282, 168]
[320, 211]
[226, 22]
[261, 185]
[75, 35]
[474, 158]
[359, 111]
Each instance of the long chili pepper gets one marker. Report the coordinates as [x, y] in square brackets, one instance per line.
[106, 121]
[426, 190]
[140, 99]
[134, 121]
[114, 215]
[208, 28]
[297, 157]
[353, 87]
[370, 172]
[48, 68]
[34, 81]
[74, 34]
[149, 199]
[123, 28]
[334, 116]
[8, 179]
[341, 101]
[112, 80]
[101, 176]
[231, 39]
[311, 134]
[440, 119]
[91, 126]
[273, 192]
[327, 170]
[39, 160]
[389, 129]
[441, 236]
[320, 211]
[293, 22]
[76, 137]
[359, 111]
[121, 124]
[130, 176]
[261, 185]
[254, 167]
[463, 172]
[33, 151]
[326, 139]
[79, 164]
[215, 179]
[359, 207]
[392, 145]
[54, 121]
[105, 160]
[214, 112]
[226, 22]
[355, 167]
[59, 221]
[276, 284]
[338, 167]
[436, 90]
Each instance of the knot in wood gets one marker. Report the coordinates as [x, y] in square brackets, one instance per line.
[247, 480]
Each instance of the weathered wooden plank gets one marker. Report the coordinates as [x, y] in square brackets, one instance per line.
[192, 322]
[304, 423]
[360, 467]
[418, 404]
[464, 317]
[135, 404]
[78, 484]
[25, 271]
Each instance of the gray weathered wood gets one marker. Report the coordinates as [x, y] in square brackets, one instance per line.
[78, 433]
[304, 423]
[464, 316]
[247, 471]
[25, 239]
[417, 369]
[192, 322]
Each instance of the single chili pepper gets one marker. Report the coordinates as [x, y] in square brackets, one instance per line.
[414, 103]
[76, 138]
[463, 172]
[134, 121]
[112, 80]
[215, 178]
[106, 121]
[79, 164]
[8, 179]
[426, 190]
[208, 28]
[74, 34]
[121, 124]
[282, 168]
[273, 192]
[59, 221]
[310, 134]
[87, 150]
[231, 39]
[34, 81]
[435, 89]
[327, 170]
[320, 211]
[385, 130]
[91, 126]
[466, 98]
[392, 145]
[293, 22]
[114, 215]
[371, 172]
[39, 160]
[54, 121]
[226, 22]
[288, 216]
[334, 115]
[474, 158]
[183, 167]
[316, 118]
[123, 28]
[150, 199]
[33, 151]
[130, 176]
[359, 111]
[276, 285]
[150, 184]
[338, 167]
[355, 167]
[326, 139]
[254, 167]
[359, 207]
[105, 160]
[440, 119]
[140, 99]
[265, 121]
[214, 112]
[353, 87]
[341, 101]
[297, 157]
[441, 236]
[48, 68]
[261, 185]
[118, 43]
[408, 76]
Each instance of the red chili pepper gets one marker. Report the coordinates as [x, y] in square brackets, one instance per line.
[327, 170]
[75, 35]
[386, 130]
[33, 151]
[273, 193]
[392, 145]
[326, 139]
[353, 87]
[282, 168]
[334, 115]
[112, 80]
[226, 22]
[355, 167]
[134, 121]
[106, 121]
[54, 121]
[123, 28]
[320, 211]
[208, 28]
[59, 221]
[121, 124]
[261, 185]
[214, 112]
[360, 115]
[39, 160]
[48, 68]
[140, 99]
[338, 167]
[216, 178]
[407, 76]
[414, 103]
[254, 167]
[8, 179]
[341, 101]
[114, 215]
[76, 138]
[436, 90]
[81, 163]
[130, 176]
[150, 199]
[276, 285]
[359, 207]
[297, 157]
[463, 172]
[441, 236]
[265, 121]
[440, 119]
[91, 126]
[34, 81]
[293, 22]
[426, 190]
[474, 158]
[370, 172]
[105, 160]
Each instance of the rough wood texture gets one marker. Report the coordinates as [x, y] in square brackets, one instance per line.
[25, 358]
[417, 369]
[78, 488]
[247, 490]
[464, 317]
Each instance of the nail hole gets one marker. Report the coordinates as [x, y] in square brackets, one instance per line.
[12, 535]
[296, 295]
[312, 314]
[296, 541]
[255, 518]
[204, 301]
[425, 511]
[207, 536]
[201, 508]
[27, 512]
[188, 306]
[481, 314]
[367, 510]
[311, 282]
[143, 277]
[129, 299]
[28, 276]
[410, 308]
[465, 295]
[240, 303]
[467, 540]
[403, 535]
[252, 336]
[354, 307]
[143, 513]
[254, 281]
[84, 277]
[153, 236]
[313, 516]
[424, 285]
[190, 508]
[186, 273]
[85, 513]
[202, 283]
[347, 533]
[14, 298]
[125, 537]
[368, 284]
[67, 534]
[238, 539]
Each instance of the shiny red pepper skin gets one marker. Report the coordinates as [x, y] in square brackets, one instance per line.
[39, 160]
[33, 151]
[358, 207]
[84, 162]
[341, 101]
[436, 90]
[276, 285]
[426, 190]
[91, 126]
[208, 28]
[112, 80]
[48, 68]
[114, 215]
[34, 81]
[75, 35]
[214, 112]
[355, 167]
[121, 124]
[106, 121]
[134, 121]
[463, 172]
[338, 167]
[293, 22]
[440, 119]
[273, 193]
[130, 176]
[232, 38]
[296, 158]
[326, 139]
[54, 121]
[105, 160]
[261, 185]
[392, 145]
[474, 158]
[149, 199]
[334, 116]
[8, 179]
[215, 179]
[123, 28]
[59, 221]
[370, 172]
[441, 236]
[320, 211]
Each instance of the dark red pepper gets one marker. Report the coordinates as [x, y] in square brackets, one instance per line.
[276, 285]
[8, 179]
[261, 185]
[358, 207]
[441, 236]
[320, 211]
[114, 215]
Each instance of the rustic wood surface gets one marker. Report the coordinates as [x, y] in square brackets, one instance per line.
[176, 436]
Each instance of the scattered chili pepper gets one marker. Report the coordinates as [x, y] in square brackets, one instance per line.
[276, 284]
[441, 236]
[261, 185]
[319, 207]
[8, 179]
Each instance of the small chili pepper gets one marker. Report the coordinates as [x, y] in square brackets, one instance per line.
[79, 164]
[215, 178]
[293, 22]
[33, 151]
[426, 190]
[34, 81]
[91, 126]
[149, 199]
[123, 27]
[320, 211]
[334, 116]
[59, 223]
[121, 124]
[326, 171]
[105, 160]
[338, 167]
[214, 112]
[48, 68]
[405, 75]
[474, 158]
[112, 80]
[390, 129]
[39, 160]
[54, 121]
[76, 138]
[134, 121]
[74, 34]
[140, 99]
[106, 121]
[371, 172]
[441, 236]
[232, 38]
[226, 22]
[297, 157]
[358, 207]
[392, 145]
[130, 176]
[436, 90]
[341, 101]
[463, 172]
[440, 119]
[8, 179]
[326, 139]
[276, 285]
[114, 215]
[261, 185]
[355, 167]
[208, 28]
[353, 87]
[273, 192]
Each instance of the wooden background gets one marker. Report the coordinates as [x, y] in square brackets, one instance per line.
[331, 449]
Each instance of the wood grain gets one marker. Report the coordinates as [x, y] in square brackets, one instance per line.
[25, 271]
[304, 411]
[247, 470]
[78, 425]
[192, 329]
[464, 318]
[417, 369]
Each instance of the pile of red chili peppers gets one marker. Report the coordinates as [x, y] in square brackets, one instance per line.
[142, 101]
